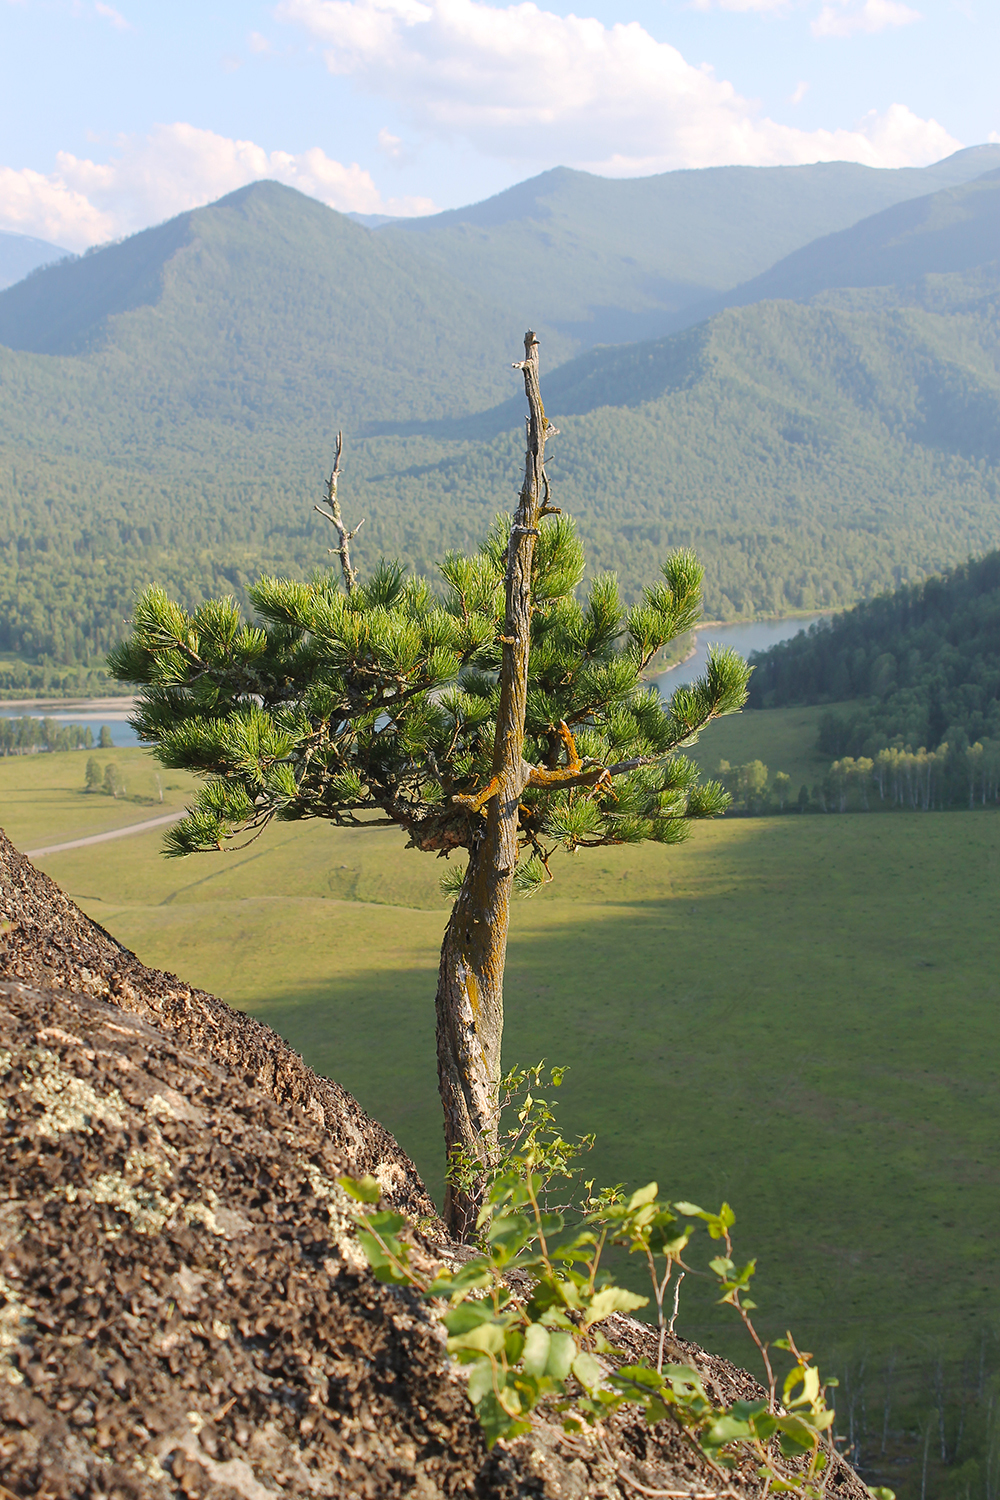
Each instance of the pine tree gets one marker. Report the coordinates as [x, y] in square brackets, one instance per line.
[501, 716]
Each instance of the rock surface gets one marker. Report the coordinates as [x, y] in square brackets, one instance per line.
[184, 1312]
[46, 940]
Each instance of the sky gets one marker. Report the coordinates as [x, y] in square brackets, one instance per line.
[114, 117]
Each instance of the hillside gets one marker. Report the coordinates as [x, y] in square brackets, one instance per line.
[923, 661]
[604, 261]
[955, 229]
[263, 309]
[21, 253]
[180, 424]
[811, 455]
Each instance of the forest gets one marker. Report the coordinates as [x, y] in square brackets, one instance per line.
[921, 667]
[177, 429]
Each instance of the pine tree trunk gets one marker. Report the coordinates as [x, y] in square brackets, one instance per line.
[470, 1008]
[470, 981]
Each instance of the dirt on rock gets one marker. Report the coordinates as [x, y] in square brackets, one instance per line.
[185, 1313]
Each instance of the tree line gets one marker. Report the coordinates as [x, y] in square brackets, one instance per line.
[895, 777]
[29, 735]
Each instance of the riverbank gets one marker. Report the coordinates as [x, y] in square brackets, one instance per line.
[64, 708]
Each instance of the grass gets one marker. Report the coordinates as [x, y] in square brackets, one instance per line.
[797, 1014]
[43, 801]
[783, 738]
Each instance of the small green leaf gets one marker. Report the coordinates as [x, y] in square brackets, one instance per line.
[562, 1352]
[796, 1436]
[537, 1343]
[488, 1338]
[808, 1377]
[480, 1380]
[643, 1195]
[587, 1371]
[496, 1422]
[612, 1299]
[725, 1430]
[468, 1315]
[744, 1410]
[364, 1189]
[507, 1234]
[386, 1263]
[471, 1277]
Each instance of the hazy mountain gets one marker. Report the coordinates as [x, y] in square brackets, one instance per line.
[20, 253]
[264, 307]
[956, 229]
[607, 261]
[178, 419]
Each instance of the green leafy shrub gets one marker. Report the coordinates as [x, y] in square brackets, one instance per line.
[545, 1350]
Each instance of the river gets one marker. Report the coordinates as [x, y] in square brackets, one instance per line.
[756, 635]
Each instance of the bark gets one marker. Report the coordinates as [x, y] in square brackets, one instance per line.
[470, 980]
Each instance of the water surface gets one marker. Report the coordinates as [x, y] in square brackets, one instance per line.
[754, 635]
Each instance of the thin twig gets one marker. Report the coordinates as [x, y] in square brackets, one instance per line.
[677, 1298]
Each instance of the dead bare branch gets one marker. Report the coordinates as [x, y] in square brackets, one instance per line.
[333, 515]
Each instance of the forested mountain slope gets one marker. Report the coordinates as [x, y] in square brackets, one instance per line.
[952, 230]
[262, 310]
[814, 455]
[604, 261]
[924, 660]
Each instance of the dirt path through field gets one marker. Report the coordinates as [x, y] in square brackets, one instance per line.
[100, 838]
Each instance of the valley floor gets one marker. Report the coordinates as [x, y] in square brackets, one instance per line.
[797, 1014]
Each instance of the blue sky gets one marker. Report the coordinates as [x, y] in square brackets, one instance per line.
[116, 116]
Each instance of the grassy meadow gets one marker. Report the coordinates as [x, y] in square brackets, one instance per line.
[794, 1013]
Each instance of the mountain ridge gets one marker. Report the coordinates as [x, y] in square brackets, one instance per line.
[20, 254]
[651, 251]
[812, 454]
[955, 229]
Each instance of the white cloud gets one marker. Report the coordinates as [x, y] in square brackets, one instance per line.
[109, 13]
[392, 146]
[174, 168]
[798, 93]
[258, 43]
[530, 86]
[845, 17]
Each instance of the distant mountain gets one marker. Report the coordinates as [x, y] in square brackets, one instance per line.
[264, 308]
[20, 253]
[374, 221]
[956, 229]
[168, 405]
[600, 260]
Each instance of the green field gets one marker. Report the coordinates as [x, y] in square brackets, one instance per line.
[784, 739]
[797, 1014]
